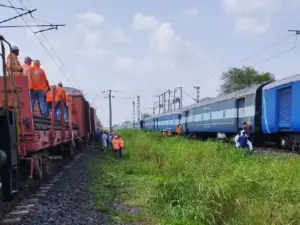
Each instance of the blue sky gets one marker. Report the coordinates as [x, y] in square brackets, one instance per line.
[146, 47]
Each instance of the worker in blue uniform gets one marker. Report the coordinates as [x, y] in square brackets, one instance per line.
[242, 141]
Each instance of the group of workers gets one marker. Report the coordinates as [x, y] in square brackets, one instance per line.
[242, 139]
[111, 140]
[169, 132]
[40, 90]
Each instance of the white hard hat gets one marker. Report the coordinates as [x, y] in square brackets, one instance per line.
[14, 48]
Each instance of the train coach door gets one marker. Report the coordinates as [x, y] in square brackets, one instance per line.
[186, 119]
[240, 112]
[156, 123]
[285, 107]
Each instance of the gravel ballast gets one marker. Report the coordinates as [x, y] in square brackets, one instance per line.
[68, 202]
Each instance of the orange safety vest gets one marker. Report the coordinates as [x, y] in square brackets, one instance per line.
[178, 130]
[49, 95]
[39, 79]
[28, 71]
[121, 143]
[13, 64]
[115, 144]
[60, 94]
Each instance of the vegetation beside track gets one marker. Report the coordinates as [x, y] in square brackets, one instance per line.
[178, 181]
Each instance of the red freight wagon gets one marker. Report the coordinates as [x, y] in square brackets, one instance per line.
[27, 138]
[87, 113]
[79, 112]
[93, 117]
[37, 136]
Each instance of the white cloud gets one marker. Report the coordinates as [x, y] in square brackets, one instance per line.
[120, 36]
[91, 18]
[172, 61]
[142, 22]
[253, 6]
[251, 25]
[88, 27]
[133, 66]
[124, 62]
[191, 12]
[254, 17]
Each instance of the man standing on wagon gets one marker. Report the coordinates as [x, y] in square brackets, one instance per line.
[39, 81]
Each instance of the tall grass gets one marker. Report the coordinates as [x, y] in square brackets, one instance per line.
[178, 181]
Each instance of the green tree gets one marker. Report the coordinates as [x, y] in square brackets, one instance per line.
[239, 78]
[145, 115]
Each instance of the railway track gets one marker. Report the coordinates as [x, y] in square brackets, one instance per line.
[13, 211]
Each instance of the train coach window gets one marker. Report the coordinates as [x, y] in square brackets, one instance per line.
[210, 115]
[224, 113]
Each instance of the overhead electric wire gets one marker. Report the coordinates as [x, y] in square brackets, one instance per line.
[48, 42]
[42, 44]
[276, 55]
[189, 95]
[12, 7]
[266, 48]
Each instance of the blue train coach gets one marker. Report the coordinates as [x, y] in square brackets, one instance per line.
[224, 114]
[163, 121]
[281, 112]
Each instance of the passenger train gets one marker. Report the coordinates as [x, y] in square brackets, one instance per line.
[270, 108]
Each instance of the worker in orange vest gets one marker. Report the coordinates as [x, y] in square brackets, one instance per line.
[60, 97]
[121, 145]
[13, 64]
[28, 71]
[116, 146]
[178, 129]
[39, 81]
[49, 97]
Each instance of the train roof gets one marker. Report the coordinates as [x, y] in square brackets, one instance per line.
[210, 100]
[236, 94]
[74, 92]
[287, 80]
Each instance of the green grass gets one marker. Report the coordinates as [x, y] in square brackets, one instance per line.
[178, 181]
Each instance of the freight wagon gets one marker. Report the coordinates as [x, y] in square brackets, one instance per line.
[28, 139]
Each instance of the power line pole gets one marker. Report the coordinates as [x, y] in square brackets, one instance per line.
[110, 107]
[198, 93]
[138, 108]
[164, 102]
[180, 103]
[169, 101]
[174, 100]
[133, 113]
[158, 103]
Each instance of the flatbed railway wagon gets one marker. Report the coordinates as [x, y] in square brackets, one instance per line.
[27, 140]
